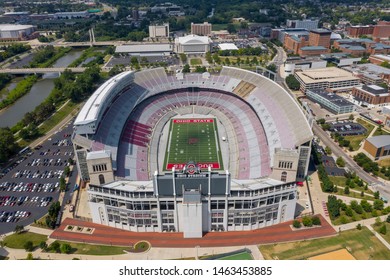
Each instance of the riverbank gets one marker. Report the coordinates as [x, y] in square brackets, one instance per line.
[21, 89]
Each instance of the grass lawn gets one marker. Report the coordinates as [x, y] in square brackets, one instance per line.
[57, 117]
[384, 162]
[357, 139]
[338, 180]
[380, 132]
[387, 236]
[196, 61]
[17, 241]
[97, 250]
[362, 244]
[240, 256]
[354, 194]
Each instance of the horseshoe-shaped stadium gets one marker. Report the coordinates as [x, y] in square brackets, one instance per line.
[191, 153]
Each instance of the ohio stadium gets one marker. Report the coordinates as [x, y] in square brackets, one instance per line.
[191, 153]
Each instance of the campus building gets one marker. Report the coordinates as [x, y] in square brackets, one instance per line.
[16, 32]
[156, 31]
[331, 101]
[201, 29]
[371, 95]
[306, 24]
[192, 44]
[332, 78]
[377, 147]
[320, 37]
[123, 132]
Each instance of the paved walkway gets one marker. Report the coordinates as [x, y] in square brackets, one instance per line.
[152, 254]
[113, 236]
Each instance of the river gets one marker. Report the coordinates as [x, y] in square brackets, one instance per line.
[38, 93]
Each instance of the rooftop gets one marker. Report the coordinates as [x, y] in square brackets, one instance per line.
[321, 31]
[14, 27]
[227, 46]
[313, 48]
[380, 141]
[98, 155]
[334, 98]
[144, 48]
[329, 74]
[193, 39]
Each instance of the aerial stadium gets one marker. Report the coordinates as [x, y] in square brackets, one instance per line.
[191, 153]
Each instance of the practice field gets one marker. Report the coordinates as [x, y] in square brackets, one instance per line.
[193, 140]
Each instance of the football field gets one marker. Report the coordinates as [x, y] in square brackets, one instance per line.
[193, 140]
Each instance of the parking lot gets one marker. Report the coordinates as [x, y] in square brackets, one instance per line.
[31, 183]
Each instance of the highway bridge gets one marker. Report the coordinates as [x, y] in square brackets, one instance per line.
[40, 70]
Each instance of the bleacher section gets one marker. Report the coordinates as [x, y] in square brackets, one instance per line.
[257, 114]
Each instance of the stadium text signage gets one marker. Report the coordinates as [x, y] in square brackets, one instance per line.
[193, 120]
[203, 175]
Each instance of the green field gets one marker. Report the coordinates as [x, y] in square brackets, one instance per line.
[193, 140]
[240, 256]
[362, 244]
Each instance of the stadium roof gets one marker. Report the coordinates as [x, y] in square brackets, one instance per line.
[193, 40]
[14, 27]
[90, 110]
[380, 141]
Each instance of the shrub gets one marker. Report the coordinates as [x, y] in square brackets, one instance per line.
[316, 220]
[383, 230]
[296, 224]
[66, 248]
[307, 221]
[388, 219]
[359, 227]
[343, 219]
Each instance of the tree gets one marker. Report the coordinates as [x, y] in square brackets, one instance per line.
[66, 248]
[346, 190]
[43, 246]
[296, 224]
[28, 246]
[18, 229]
[292, 82]
[55, 246]
[388, 219]
[66, 171]
[376, 195]
[186, 69]
[367, 207]
[340, 162]
[231, 28]
[62, 184]
[359, 227]
[30, 257]
[378, 204]
[328, 150]
[183, 57]
[383, 229]
[351, 117]
[349, 212]
[8, 145]
[272, 67]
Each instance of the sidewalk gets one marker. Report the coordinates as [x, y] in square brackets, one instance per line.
[152, 254]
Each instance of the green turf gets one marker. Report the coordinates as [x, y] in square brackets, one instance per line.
[193, 142]
[240, 256]
[17, 241]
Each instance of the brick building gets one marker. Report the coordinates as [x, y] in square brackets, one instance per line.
[371, 95]
[320, 37]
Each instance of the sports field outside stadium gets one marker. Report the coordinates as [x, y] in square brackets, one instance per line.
[193, 140]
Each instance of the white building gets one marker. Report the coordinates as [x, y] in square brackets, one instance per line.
[192, 44]
[16, 31]
[156, 31]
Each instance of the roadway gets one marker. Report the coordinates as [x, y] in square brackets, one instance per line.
[375, 183]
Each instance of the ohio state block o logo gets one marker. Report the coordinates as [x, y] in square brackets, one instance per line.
[191, 168]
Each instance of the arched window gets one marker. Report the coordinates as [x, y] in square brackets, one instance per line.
[101, 179]
[284, 176]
